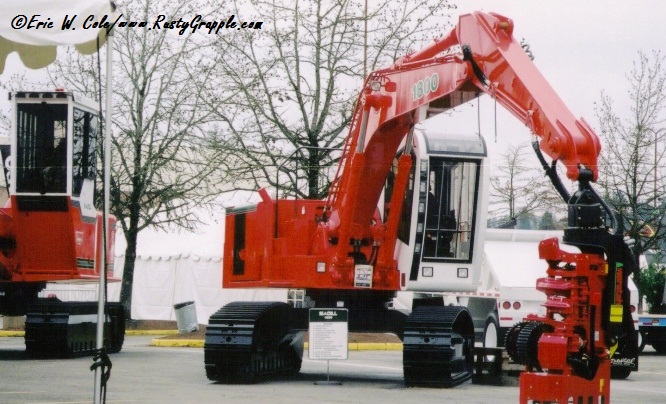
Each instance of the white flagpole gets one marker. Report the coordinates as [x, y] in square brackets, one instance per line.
[105, 214]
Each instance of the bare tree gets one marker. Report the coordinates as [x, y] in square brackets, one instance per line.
[166, 155]
[633, 157]
[298, 77]
[519, 188]
[15, 82]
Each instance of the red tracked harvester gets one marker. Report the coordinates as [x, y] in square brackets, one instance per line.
[344, 253]
[49, 228]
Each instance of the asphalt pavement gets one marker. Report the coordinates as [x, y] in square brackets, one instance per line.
[142, 373]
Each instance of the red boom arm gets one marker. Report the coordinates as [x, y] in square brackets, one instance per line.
[284, 252]
[439, 78]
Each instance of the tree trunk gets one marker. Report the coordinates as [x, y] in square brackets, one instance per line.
[313, 175]
[128, 272]
[132, 232]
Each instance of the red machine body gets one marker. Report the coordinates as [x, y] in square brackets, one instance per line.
[307, 243]
[49, 228]
[342, 244]
[52, 246]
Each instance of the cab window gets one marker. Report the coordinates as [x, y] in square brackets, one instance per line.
[83, 149]
[41, 158]
[450, 213]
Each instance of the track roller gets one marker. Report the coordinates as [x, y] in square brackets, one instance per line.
[56, 329]
[247, 340]
[522, 342]
[437, 346]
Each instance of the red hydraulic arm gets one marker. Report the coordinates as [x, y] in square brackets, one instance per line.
[437, 78]
[316, 244]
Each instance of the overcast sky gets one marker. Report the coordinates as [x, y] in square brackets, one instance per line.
[581, 47]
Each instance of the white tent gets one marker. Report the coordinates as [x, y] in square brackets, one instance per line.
[173, 267]
[21, 31]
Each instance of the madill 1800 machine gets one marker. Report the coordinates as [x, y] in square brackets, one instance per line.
[343, 253]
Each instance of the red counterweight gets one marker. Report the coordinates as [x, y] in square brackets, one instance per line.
[555, 388]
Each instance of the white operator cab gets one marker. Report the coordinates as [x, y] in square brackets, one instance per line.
[53, 149]
[441, 231]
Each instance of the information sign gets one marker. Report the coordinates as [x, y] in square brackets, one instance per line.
[328, 334]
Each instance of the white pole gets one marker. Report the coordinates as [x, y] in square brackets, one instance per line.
[105, 214]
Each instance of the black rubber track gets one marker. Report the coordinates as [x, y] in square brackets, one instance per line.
[247, 340]
[56, 329]
[437, 346]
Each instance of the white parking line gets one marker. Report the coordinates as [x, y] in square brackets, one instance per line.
[357, 365]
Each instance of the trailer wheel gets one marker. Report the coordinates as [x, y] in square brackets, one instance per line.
[620, 373]
[641, 341]
[491, 332]
[660, 347]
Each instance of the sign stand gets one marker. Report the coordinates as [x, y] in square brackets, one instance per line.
[328, 338]
[328, 381]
